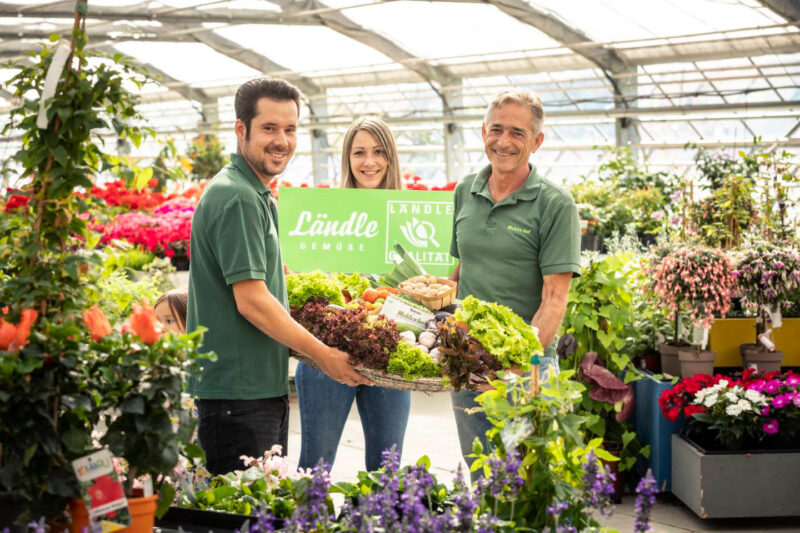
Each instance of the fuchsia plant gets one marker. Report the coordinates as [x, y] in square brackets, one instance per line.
[693, 281]
[767, 276]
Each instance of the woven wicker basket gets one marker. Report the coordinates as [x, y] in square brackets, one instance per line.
[382, 379]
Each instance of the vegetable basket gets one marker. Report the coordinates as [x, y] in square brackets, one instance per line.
[382, 379]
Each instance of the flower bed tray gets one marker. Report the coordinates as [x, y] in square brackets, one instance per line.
[735, 484]
[382, 379]
[199, 521]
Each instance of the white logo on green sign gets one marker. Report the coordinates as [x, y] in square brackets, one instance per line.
[413, 224]
[354, 230]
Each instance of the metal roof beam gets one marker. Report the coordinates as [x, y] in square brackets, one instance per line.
[555, 28]
[185, 90]
[335, 20]
[255, 60]
[788, 9]
[142, 12]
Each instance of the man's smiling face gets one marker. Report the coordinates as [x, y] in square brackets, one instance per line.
[508, 138]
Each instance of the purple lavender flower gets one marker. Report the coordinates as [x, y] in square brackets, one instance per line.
[771, 427]
[465, 503]
[37, 527]
[487, 523]
[598, 485]
[265, 522]
[645, 499]
[313, 512]
[557, 508]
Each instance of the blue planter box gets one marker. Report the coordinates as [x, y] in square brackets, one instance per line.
[655, 430]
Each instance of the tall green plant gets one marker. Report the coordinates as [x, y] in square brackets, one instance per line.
[547, 432]
[600, 316]
[50, 396]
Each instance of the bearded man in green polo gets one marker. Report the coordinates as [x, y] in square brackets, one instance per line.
[516, 235]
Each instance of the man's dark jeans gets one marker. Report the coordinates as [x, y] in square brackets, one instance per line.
[229, 429]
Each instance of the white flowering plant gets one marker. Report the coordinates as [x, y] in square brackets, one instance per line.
[733, 412]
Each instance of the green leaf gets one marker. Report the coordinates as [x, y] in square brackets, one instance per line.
[29, 451]
[424, 461]
[627, 437]
[477, 447]
[165, 497]
[60, 154]
[143, 176]
[133, 404]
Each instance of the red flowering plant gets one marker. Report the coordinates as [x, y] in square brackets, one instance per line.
[692, 281]
[758, 410]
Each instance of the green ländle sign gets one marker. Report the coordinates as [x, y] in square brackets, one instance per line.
[354, 230]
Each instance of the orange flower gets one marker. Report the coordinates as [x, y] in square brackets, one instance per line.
[15, 337]
[97, 322]
[24, 327]
[144, 323]
[8, 332]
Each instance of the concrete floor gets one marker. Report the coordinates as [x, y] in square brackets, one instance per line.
[432, 432]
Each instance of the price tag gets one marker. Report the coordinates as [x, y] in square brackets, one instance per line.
[775, 317]
[102, 492]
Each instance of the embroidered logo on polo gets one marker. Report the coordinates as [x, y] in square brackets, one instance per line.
[518, 229]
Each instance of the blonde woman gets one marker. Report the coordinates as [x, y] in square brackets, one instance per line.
[369, 161]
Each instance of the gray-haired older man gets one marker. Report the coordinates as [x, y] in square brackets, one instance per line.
[516, 235]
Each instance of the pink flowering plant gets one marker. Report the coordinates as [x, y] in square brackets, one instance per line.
[692, 281]
[768, 278]
[758, 410]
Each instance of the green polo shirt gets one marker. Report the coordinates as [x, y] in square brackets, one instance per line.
[505, 248]
[235, 238]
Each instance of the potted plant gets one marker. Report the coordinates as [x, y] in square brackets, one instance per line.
[54, 386]
[693, 282]
[742, 437]
[767, 277]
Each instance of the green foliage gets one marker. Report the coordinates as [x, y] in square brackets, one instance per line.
[53, 389]
[301, 286]
[128, 258]
[549, 435]
[207, 155]
[600, 316]
[412, 363]
[748, 192]
[168, 166]
[353, 283]
[116, 293]
[624, 192]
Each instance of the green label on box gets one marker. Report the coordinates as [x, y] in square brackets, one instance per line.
[354, 230]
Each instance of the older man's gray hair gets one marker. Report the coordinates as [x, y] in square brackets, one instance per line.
[523, 98]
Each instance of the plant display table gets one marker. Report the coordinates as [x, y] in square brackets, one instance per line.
[736, 484]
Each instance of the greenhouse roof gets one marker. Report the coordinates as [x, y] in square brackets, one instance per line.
[719, 72]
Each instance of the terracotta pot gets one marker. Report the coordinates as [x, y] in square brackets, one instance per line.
[695, 361]
[763, 359]
[669, 359]
[612, 467]
[143, 513]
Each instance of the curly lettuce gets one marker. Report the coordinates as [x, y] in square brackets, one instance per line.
[301, 286]
[501, 331]
[353, 283]
[412, 363]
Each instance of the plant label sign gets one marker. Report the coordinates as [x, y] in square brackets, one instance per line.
[354, 230]
[102, 492]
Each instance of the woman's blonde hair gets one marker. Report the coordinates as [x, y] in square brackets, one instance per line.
[378, 129]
